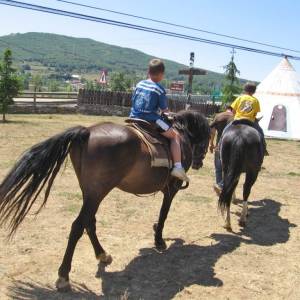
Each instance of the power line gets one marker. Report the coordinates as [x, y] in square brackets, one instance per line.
[140, 28]
[177, 25]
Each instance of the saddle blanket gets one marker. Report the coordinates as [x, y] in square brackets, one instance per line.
[157, 145]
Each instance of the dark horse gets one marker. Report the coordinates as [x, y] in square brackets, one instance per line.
[242, 151]
[104, 156]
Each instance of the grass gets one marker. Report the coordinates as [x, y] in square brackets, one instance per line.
[6, 163]
[293, 174]
[72, 201]
[71, 196]
[208, 256]
[194, 198]
[73, 208]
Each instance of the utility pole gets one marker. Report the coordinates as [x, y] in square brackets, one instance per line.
[191, 71]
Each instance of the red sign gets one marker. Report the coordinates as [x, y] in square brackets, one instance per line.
[102, 79]
[177, 86]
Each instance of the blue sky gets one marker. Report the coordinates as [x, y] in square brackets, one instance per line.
[275, 22]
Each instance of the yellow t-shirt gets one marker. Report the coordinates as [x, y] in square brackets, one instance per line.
[246, 107]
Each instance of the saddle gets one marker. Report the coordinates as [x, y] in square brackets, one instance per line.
[243, 122]
[158, 146]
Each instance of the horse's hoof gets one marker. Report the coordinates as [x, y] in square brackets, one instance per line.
[228, 227]
[155, 227]
[105, 258]
[62, 285]
[235, 201]
[160, 245]
[242, 223]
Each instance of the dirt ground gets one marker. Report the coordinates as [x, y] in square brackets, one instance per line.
[202, 261]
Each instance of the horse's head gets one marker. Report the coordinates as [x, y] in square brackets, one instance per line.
[199, 152]
[196, 128]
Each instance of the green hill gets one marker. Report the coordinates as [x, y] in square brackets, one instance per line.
[52, 53]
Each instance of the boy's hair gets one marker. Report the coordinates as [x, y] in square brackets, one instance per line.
[156, 66]
[250, 87]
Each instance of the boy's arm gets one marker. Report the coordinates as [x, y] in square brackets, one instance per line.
[162, 103]
[234, 105]
[256, 108]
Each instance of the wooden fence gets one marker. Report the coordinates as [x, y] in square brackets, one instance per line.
[108, 98]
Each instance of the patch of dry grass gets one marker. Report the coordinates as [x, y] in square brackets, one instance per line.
[203, 261]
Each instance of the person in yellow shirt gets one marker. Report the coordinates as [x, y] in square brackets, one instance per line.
[246, 107]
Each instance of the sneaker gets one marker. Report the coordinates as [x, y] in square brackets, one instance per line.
[180, 174]
[217, 189]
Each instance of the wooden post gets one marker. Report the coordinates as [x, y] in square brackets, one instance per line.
[34, 100]
[191, 71]
[192, 59]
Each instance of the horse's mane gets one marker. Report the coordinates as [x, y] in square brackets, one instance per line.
[193, 123]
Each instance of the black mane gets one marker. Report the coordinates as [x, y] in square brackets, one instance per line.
[193, 123]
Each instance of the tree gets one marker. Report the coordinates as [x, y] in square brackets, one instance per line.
[69, 88]
[37, 87]
[37, 83]
[10, 84]
[89, 85]
[119, 82]
[25, 78]
[232, 85]
[53, 86]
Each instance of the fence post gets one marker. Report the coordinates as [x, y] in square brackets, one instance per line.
[34, 100]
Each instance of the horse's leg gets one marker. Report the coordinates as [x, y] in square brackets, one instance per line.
[227, 224]
[85, 220]
[249, 181]
[169, 194]
[100, 253]
[230, 194]
[244, 214]
[233, 198]
[77, 228]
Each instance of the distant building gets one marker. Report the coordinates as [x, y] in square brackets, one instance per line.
[76, 76]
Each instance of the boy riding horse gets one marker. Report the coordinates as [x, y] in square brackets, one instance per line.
[148, 98]
[247, 107]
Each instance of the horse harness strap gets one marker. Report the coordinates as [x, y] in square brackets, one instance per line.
[157, 145]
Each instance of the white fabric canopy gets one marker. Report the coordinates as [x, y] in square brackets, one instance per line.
[279, 97]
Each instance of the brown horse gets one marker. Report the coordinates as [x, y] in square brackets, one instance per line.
[104, 156]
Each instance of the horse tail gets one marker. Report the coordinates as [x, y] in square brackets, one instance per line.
[232, 171]
[37, 167]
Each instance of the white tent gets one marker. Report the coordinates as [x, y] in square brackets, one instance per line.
[279, 97]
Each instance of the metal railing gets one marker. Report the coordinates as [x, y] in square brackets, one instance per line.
[48, 95]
